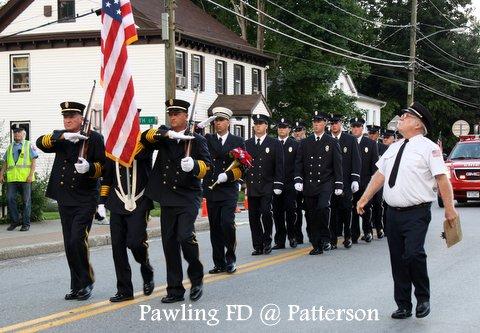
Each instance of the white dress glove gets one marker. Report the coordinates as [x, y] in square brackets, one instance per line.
[222, 178]
[338, 192]
[299, 187]
[179, 136]
[74, 137]
[187, 164]
[277, 191]
[355, 186]
[101, 211]
[206, 122]
[82, 166]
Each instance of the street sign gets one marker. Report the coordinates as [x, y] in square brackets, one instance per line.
[148, 120]
[460, 127]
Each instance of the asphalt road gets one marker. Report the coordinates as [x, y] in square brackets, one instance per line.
[340, 291]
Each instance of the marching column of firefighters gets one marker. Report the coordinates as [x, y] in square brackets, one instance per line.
[325, 174]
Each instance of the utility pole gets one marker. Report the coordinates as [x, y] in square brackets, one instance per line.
[170, 85]
[413, 46]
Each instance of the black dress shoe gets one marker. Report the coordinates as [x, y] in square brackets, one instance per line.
[119, 297]
[148, 288]
[217, 270]
[85, 293]
[13, 226]
[278, 247]
[326, 246]
[257, 252]
[380, 234]
[293, 243]
[315, 251]
[354, 241]
[267, 249]
[73, 294]
[347, 243]
[196, 292]
[231, 268]
[401, 314]
[422, 310]
[25, 228]
[368, 237]
[363, 237]
[172, 299]
[333, 246]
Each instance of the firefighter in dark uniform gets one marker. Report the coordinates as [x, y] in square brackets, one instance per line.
[264, 179]
[387, 139]
[369, 155]
[341, 218]
[73, 184]
[284, 208]
[175, 182]
[318, 173]
[222, 198]
[299, 133]
[128, 219]
[377, 201]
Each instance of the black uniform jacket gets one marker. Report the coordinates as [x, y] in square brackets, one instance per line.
[169, 184]
[66, 185]
[290, 148]
[369, 154]
[318, 163]
[351, 162]
[266, 173]
[221, 160]
[109, 186]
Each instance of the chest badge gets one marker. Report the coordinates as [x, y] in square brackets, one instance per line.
[345, 150]
[267, 150]
[366, 149]
[290, 149]
[327, 148]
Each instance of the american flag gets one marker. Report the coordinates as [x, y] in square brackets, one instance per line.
[121, 122]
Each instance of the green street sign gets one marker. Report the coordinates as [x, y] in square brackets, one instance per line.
[148, 120]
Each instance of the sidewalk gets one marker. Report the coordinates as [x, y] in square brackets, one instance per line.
[46, 236]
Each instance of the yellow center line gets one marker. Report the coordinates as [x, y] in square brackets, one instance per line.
[78, 313]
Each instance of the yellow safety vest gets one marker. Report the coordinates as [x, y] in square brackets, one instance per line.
[18, 172]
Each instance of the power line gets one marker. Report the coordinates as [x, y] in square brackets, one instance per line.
[386, 38]
[442, 94]
[376, 23]
[305, 42]
[441, 13]
[447, 79]
[447, 73]
[332, 32]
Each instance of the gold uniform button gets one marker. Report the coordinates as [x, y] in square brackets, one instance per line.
[63, 168]
[174, 187]
[61, 183]
[164, 182]
[75, 172]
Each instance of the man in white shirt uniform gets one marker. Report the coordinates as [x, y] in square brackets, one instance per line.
[408, 172]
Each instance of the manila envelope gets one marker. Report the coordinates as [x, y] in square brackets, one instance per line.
[452, 235]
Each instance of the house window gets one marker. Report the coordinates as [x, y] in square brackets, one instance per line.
[256, 81]
[20, 72]
[181, 69]
[23, 124]
[220, 77]
[197, 72]
[238, 80]
[66, 10]
[239, 130]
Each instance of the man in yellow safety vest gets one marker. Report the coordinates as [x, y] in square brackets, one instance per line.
[18, 171]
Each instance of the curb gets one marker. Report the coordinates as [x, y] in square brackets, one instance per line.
[94, 241]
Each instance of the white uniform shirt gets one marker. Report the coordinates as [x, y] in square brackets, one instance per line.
[421, 161]
[261, 138]
[223, 137]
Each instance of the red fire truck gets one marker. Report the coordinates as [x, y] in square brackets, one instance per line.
[463, 166]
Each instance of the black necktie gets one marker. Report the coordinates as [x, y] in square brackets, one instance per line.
[396, 164]
[318, 138]
[258, 142]
[220, 140]
[283, 142]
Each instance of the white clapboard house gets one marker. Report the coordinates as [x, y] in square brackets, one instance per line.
[43, 67]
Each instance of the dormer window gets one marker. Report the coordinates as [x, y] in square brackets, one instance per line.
[66, 10]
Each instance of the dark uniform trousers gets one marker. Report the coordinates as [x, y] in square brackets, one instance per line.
[406, 238]
[76, 224]
[317, 215]
[221, 217]
[178, 231]
[341, 218]
[299, 217]
[284, 211]
[366, 217]
[261, 220]
[377, 211]
[130, 231]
